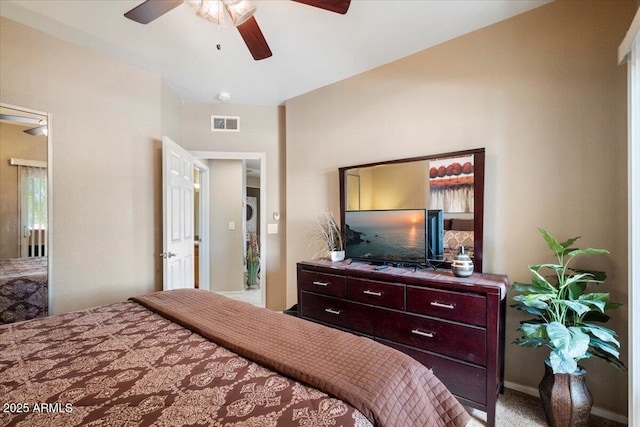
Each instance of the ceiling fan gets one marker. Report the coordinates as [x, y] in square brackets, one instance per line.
[41, 129]
[240, 11]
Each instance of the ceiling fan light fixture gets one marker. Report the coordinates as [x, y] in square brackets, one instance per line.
[239, 10]
[37, 131]
[210, 10]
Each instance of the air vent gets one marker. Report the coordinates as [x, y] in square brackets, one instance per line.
[225, 124]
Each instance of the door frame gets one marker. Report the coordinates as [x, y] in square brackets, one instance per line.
[241, 155]
[204, 247]
[628, 54]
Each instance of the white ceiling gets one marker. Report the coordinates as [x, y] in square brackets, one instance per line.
[311, 47]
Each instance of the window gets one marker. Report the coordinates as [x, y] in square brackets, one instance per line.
[33, 211]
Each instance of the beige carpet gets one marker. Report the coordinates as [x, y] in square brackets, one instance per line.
[519, 409]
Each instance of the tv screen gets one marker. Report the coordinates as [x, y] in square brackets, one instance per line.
[435, 234]
[386, 236]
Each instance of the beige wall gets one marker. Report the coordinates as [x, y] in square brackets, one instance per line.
[227, 246]
[109, 128]
[543, 94]
[171, 111]
[106, 128]
[14, 143]
[261, 130]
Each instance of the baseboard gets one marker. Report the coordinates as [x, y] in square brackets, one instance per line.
[230, 294]
[597, 411]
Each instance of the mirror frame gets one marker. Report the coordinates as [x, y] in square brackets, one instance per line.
[50, 241]
[478, 194]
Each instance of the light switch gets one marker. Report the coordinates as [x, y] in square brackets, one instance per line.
[232, 225]
[272, 228]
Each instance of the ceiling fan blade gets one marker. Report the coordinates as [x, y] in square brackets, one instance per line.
[40, 130]
[19, 119]
[151, 9]
[254, 39]
[337, 6]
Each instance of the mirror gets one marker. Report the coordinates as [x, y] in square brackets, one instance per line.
[25, 214]
[451, 182]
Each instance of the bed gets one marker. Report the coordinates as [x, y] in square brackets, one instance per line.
[24, 291]
[192, 357]
[458, 232]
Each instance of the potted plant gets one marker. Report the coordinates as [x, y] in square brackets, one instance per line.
[567, 319]
[330, 236]
[253, 260]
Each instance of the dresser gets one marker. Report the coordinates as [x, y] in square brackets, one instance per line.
[454, 326]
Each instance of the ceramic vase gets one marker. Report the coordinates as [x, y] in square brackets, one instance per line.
[336, 255]
[462, 266]
[566, 399]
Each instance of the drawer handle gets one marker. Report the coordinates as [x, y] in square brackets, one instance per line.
[375, 294]
[422, 333]
[441, 305]
[321, 283]
[332, 311]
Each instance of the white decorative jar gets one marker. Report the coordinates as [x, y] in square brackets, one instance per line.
[336, 256]
[462, 266]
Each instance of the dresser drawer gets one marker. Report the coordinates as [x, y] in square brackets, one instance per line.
[323, 283]
[462, 379]
[382, 294]
[338, 312]
[463, 307]
[463, 342]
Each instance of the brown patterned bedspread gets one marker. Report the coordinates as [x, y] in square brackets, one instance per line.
[387, 386]
[123, 365]
[24, 291]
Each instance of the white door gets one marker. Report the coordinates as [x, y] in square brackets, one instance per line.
[177, 216]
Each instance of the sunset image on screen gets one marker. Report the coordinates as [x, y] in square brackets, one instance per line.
[395, 235]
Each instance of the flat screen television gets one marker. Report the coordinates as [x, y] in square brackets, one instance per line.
[435, 234]
[386, 236]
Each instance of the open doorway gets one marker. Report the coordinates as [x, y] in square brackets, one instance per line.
[231, 200]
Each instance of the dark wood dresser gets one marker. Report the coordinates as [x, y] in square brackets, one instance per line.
[454, 326]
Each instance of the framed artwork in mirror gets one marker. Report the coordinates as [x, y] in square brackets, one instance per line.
[451, 184]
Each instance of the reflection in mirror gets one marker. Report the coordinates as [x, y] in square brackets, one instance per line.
[452, 183]
[24, 214]
[385, 186]
[353, 190]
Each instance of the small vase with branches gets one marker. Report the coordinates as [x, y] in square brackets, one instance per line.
[330, 236]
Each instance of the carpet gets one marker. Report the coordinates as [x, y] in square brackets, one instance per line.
[518, 409]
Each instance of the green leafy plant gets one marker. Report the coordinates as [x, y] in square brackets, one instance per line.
[253, 251]
[567, 318]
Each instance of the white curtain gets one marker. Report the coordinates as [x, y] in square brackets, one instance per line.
[33, 211]
[452, 199]
[629, 52]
